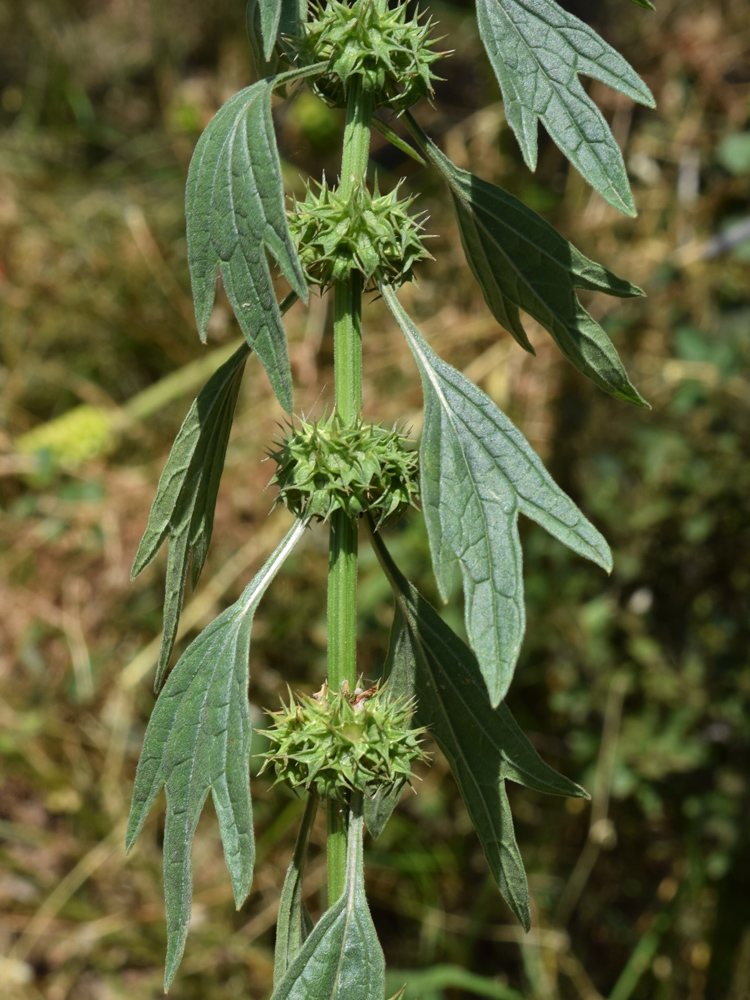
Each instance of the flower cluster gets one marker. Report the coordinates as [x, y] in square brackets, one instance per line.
[327, 465]
[342, 741]
[336, 234]
[389, 55]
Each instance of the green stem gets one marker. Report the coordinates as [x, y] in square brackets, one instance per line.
[338, 828]
[342, 560]
[342, 601]
[347, 347]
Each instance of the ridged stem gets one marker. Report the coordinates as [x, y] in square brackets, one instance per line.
[342, 560]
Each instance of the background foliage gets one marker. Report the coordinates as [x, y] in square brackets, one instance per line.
[640, 682]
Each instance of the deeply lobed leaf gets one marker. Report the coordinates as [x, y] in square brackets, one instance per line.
[234, 204]
[183, 508]
[198, 740]
[521, 262]
[294, 923]
[341, 958]
[537, 50]
[483, 745]
[477, 474]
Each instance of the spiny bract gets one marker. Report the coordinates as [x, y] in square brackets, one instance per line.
[328, 465]
[337, 741]
[374, 234]
[389, 55]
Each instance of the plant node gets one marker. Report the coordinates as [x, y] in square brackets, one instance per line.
[327, 465]
[336, 234]
[389, 55]
[336, 742]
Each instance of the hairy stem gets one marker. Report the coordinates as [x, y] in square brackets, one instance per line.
[342, 561]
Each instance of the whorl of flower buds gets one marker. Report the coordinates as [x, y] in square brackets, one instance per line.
[374, 234]
[326, 465]
[387, 54]
[337, 742]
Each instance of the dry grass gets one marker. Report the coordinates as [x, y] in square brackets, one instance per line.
[102, 110]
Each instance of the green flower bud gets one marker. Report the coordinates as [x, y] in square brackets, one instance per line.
[337, 742]
[328, 465]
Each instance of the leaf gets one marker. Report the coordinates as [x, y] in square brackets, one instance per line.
[183, 508]
[234, 204]
[294, 923]
[646, 4]
[198, 740]
[477, 473]
[342, 957]
[379, 808]
[267, 22]
[521, 262]
[537, 50]
[483, 745]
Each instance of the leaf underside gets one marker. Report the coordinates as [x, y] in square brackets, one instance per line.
[477, 474]
[521, 262]
[183, 508]
[234, 204]
[267, 22]
[198, 740]
[341, 958]
[483, 745]
[537, 50]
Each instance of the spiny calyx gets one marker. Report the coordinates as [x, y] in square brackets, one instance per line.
[327, 465]
[387, 54]
[336, 742]
[374, 234]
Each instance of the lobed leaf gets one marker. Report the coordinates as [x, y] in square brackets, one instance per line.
[477, 473]
[294, 923]
[235, 211]
[198, 740]
[537, 50]
[268, 21]
[483, 745]
[521, 262]
[342, 957]
[183, 508]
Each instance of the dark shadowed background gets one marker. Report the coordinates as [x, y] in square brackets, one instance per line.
[636, 685]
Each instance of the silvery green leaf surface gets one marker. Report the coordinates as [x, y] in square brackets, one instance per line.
[521, 262]
[198, 740]
[644, 3]
[537, 51]
[294, 923]
[267, 22]
[183, 508]
[477, 474]
[483, 745]
[234, 204]
[341, 958]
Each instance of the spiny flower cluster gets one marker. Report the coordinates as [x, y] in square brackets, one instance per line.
[339, 741]
[336, 234]
[327, 465]
[389, 55]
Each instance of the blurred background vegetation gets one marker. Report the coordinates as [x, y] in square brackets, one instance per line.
[636, 685]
